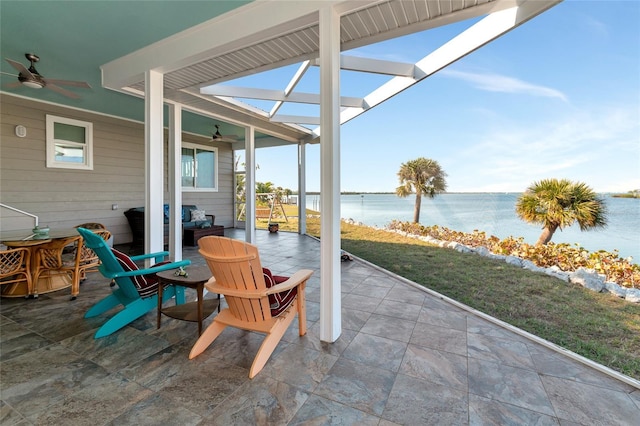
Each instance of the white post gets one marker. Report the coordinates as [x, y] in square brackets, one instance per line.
[175, 181]
[302, 188]
[250, 184]
[330, 285]
[154, 164]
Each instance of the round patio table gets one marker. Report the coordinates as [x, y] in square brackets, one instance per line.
[26, 238]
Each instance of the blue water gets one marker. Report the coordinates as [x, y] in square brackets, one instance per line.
[494, 213]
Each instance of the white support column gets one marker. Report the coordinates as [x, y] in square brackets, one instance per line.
[175, 181]
[154, 164]
[250, 184]
[330, 285]
[302, 188]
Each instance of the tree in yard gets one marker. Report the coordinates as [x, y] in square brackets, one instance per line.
[556, 204]
[422, 176]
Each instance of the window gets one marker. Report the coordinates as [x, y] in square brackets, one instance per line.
[69, 143]
[199, 168]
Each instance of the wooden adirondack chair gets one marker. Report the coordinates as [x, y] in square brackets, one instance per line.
[239, 276]
[136, 289]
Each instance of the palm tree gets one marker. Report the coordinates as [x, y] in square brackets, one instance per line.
[557, 203]
[422, 176]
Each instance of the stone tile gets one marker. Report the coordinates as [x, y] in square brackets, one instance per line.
[262, 400]
[188, 389]
[398, 309]
[635, 397]
[507, 384]
[361, 303]
[389, 327]
[162, 368]
[115, 351]
[443, 318]
[156, 410]
[33, 381]
[11, 417]
[356, 385]
[322, 411]
[21, 343]
[552, 363]
[479, 325]
[403, 293]
[366, 288]
[103, 399]
[354, 319]
[300, 366]
[312, 340]
[484, 411]
[11, 329]
[417, 402]
[440, 338]
[238, 347]
[443, 368]
[504, 351]
[374, 351]
[588, 404]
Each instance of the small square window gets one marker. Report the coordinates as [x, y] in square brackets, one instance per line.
[69, 143]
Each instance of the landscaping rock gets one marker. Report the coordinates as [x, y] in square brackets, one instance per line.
[482, 251]
[556, 272]
[614, 288]
[529, 265]
[587, 279]
[513, 260]
[633, 295]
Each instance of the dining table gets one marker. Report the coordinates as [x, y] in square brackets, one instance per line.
[31, 240]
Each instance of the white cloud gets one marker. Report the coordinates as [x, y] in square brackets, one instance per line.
[501, 83]
[600, 148]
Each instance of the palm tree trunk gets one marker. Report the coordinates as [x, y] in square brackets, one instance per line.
[416, 208]
[546, 235]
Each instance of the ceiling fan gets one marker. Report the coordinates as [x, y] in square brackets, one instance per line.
[217, 136]
[33, 79]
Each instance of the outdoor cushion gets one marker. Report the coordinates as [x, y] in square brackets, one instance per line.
[147, 285]
[279, 301]
[198, 215]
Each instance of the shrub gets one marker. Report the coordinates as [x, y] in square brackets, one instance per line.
[565, 256]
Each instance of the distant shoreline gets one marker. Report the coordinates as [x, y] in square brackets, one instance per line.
[610, 194]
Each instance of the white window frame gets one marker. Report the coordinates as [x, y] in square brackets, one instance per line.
[87, 147]
[215, 168]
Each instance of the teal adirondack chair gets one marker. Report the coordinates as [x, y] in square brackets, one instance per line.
[135, 289]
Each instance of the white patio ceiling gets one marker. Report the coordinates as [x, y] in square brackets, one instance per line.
[265, 35]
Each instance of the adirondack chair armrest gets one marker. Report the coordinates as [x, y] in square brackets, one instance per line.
[159, 256]
[295, 280]
[152, 270]
[213, 287]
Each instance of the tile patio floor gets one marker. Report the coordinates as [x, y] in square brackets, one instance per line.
[404, 357]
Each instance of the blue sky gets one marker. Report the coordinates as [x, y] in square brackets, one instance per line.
[558, 97]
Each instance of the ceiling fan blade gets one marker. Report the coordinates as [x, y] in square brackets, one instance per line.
[83, 84]
[21, 68]
[13, 85]
[62, 91]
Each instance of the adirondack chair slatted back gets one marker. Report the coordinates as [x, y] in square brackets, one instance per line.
[110, 264]
[238, 268]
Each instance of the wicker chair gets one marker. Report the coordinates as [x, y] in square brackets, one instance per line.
[50, 261]
[15, 267]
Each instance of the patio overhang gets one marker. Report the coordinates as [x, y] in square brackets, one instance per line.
[187, 70]
[262, 36]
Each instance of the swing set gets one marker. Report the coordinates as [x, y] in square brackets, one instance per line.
[274, 203]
